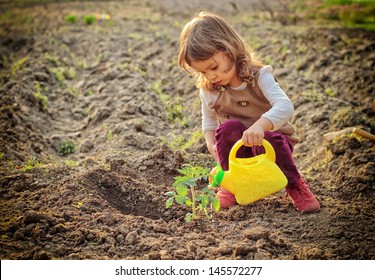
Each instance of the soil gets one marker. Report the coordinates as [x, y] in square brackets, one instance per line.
[115, 90]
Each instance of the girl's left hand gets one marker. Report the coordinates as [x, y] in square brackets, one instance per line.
[253, 136]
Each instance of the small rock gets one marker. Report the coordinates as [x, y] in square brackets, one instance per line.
[131, 238]
[110, 240]
[180, 254]
[18, 235]
[191, 247]
[260, 243]
[256, 233]
[154, 256]
[243, 249]
[262, 256]
[224, 250]
[32, 217]
[42, 77]
[41, 255]
[164, 255]
[59, 228]
[111, 75]
[160, 229]
[120, 238]
[86, 146]
[20, 206]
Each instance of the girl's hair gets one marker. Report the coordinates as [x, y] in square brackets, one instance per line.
[205, 35]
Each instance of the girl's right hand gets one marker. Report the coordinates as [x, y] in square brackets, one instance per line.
[213, 151]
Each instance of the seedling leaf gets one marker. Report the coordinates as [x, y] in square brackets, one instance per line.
[169, 202]
[188, 202]
[188, 217]
[182, 190]
[215, 203]
[180, 199]
[171, 193]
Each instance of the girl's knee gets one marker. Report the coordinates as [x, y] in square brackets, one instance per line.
[232, 130]
[232, 125]
[278, 140]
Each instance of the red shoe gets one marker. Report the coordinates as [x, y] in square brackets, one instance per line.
[227, 199]
[302, 198]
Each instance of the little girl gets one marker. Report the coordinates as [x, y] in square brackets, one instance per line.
[240, 100]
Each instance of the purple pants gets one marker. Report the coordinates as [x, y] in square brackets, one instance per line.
[228, 133]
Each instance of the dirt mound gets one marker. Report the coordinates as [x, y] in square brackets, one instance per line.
[96, 119]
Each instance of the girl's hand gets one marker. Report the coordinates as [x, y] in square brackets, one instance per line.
[253, 136]
[213, 151]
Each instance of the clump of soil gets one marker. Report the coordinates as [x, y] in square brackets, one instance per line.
[96, 119]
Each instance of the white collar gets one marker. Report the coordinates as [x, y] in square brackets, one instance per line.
[240, 87]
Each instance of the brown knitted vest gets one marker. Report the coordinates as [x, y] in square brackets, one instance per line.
[247, 106]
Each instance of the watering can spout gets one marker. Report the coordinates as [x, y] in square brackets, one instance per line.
[222, 179]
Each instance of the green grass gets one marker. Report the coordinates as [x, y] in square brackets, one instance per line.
[352, 13]
[31, 164]
[59, 74]
[182, 142]
[43, 100]
[348, 2]
[17, 65]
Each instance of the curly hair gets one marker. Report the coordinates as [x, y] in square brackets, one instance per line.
[205, 35]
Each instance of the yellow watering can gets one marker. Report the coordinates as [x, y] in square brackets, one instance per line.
[250, 179]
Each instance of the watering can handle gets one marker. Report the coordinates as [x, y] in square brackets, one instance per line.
[270, 152]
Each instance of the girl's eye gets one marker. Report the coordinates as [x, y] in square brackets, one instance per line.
[211, 69]
[228, 69]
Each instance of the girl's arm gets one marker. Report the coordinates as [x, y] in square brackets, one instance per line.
[209, 125]
[281, 111]
[209, 135]
[282, 108]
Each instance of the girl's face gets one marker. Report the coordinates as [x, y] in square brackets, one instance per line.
[218, 69]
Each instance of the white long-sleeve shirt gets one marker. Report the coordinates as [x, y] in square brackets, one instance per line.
[281, 111]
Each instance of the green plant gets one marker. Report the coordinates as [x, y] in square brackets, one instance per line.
[314, 96]
[31, 163]
[59, 74]
[43, 100]
[182, 142]
[123, 66]
[89, 19]
[157, 88]
[109, 135]
[177, 143]
[66, 147]
[135, 36]
[70, 73]
[175, 112]
[71, 163]
[139, 70]
[185, 193]
[53, 59]
[18, 65]
[330, 92]
[71, 18]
